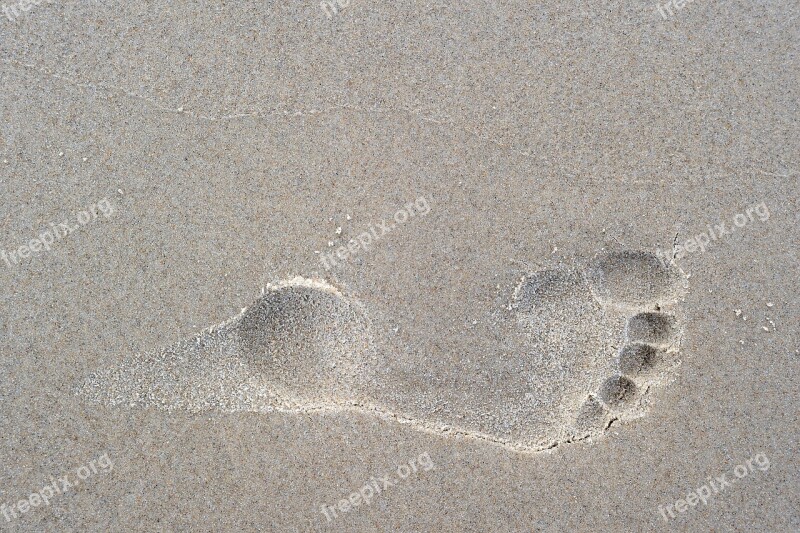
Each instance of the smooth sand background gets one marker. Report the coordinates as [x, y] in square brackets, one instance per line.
[540, 133]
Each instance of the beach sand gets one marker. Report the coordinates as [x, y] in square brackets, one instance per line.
[485, 267]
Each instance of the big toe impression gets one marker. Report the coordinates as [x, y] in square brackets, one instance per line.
[634, 278]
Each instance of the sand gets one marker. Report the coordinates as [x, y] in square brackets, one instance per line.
[399, 267]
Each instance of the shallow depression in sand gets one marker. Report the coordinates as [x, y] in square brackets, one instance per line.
[301, 344]
[634, 278]
[307, 341]
[576, 359]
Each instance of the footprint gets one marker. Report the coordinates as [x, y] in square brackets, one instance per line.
[634, 278]
[308, 340]
[642, 361]
[591, 416]
[578, 348]
[601, 336]
[651, 328]
[619, 392]
[302, 344]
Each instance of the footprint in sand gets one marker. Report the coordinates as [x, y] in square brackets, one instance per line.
[589, 343]
[301, 345]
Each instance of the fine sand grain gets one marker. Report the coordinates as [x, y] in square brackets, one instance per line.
[399, 267]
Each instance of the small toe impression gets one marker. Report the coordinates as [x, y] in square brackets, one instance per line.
[640, 360]
[591, 417]
[634, 278]
[651, 328]
[619, 392]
